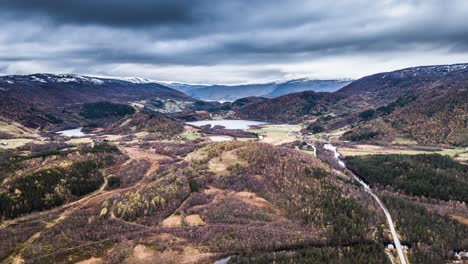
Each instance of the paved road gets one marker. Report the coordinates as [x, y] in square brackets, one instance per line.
[396, 240]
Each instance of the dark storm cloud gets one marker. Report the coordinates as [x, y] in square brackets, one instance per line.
[241, 37]
[106, 12]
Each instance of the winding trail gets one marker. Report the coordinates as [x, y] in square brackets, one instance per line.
[70, 208]
[396, 240]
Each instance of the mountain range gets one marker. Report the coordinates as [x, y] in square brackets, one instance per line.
[428, 104]
[267, 90]
[41, 99]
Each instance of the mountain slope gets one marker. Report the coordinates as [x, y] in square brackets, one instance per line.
[300, 85]
[224, 92]
[40, 99]
[428, 104]
[407, 79]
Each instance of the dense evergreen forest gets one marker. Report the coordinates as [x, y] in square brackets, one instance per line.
[105, 110]
[429, 175]
[432, 237]
[50, 187]
[363, 253]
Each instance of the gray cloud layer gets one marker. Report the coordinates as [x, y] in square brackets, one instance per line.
[229, 41]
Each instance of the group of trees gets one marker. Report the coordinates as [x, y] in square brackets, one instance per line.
[432, 237]
[221, 130]
[49, 188]
[429, 175]
[360, 253]
[156, 200]
[127, 174]
[159, 124]
[105, 110]
[170, 149]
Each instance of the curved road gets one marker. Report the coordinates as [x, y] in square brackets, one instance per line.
[396, 240]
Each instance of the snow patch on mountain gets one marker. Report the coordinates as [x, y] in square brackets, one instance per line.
[37, 79]
[434, 70]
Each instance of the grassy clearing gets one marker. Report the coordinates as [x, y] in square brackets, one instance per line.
[362, 150]
[278, 134]
[460, 154]
[221, 165]
[16, 142]
[333, 135]
[246, 139]
[462, 157]
[404, 141]
[15, 129]
[310, 152]
[84, 140]
[189, 135]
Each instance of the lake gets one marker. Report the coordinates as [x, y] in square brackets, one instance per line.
[76, 132]
[228, 124]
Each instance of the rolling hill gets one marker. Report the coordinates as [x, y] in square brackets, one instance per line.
[291, 108]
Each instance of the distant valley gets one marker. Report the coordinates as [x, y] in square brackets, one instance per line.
[427, 104]
[267, 90]
[130, 170]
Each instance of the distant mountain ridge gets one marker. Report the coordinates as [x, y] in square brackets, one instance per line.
[428, 104]
[408, 78]
[268, 90]
[37, 100]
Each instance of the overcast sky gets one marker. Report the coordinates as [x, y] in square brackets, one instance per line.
[232, 41]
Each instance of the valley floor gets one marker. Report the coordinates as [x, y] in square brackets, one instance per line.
[186, 199]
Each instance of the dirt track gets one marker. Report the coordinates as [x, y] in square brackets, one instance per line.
[96, 197]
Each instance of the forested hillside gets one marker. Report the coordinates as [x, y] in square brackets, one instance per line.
[291, 108]
[425, 175]
[425, 104]
[233, 197]
[42, 100]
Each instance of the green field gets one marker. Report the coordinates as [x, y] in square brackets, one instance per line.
[278, 134]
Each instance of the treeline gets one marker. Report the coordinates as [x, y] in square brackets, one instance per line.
[162, 126]
[429, 175]
[49, 188]
[170, 149]
[432, 237]
[221, 130]
[11, 162]
[361, 253]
